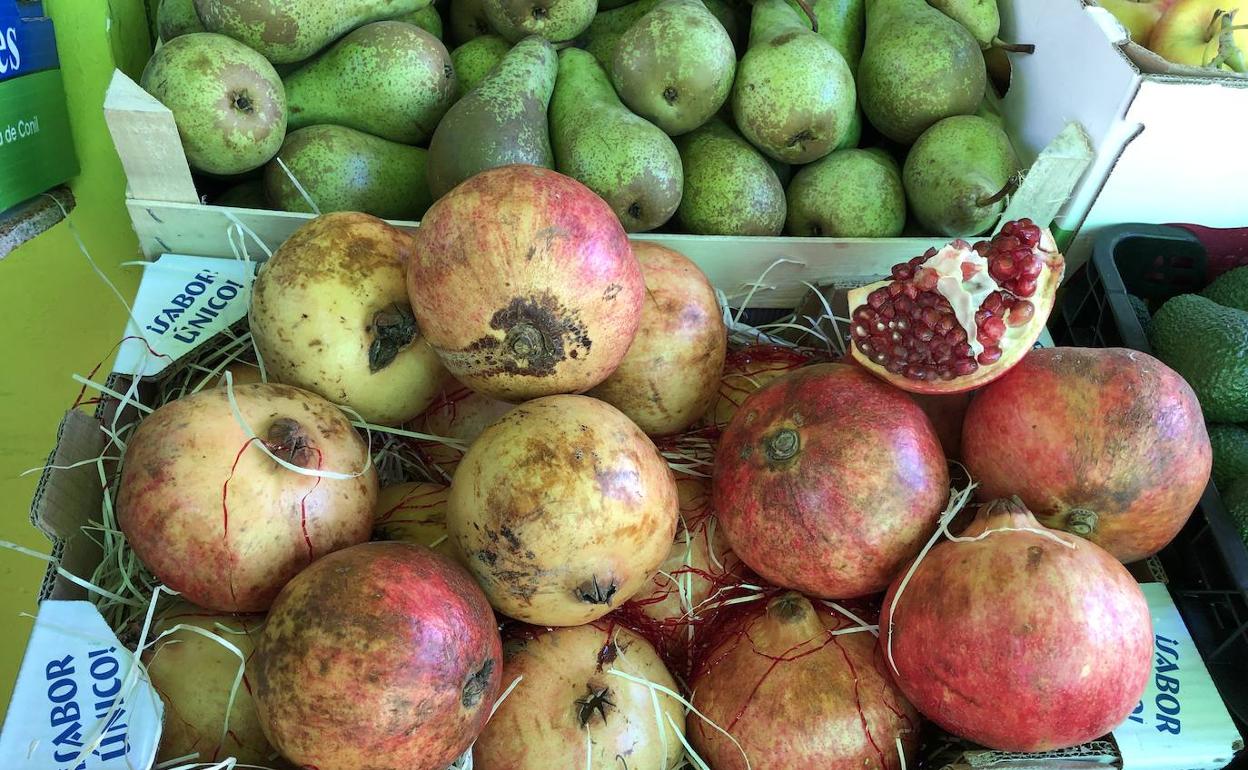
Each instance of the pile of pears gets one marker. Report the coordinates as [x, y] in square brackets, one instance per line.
[838, 118]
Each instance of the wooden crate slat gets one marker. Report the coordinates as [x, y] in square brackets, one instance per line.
[147, 142]
[732, 264]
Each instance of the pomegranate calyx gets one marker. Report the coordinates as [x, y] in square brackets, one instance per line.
[1081, 522]
[287, 439]
[596, 699]
[593, 592]
[782, 445]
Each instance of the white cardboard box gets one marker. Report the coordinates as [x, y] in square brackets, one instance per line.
[1164, 136]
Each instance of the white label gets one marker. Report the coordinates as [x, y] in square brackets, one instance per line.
[1181, 723]
[182, 302]
[80, 701]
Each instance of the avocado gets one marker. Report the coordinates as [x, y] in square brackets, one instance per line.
[1230, 453]
[1207, 344]
[1141, 311]
[1230, 289]
[1236, 499]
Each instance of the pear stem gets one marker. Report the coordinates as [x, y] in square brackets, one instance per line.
[1228, 50]
[810, 14]
[1010, 186]
[1013, 47]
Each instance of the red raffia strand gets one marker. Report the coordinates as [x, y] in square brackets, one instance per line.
[407, 503]
[784, 357]
[83, 391]
[303, 506]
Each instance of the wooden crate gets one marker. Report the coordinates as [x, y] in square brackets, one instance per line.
[169, 217]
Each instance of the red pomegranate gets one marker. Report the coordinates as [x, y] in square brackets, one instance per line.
[214, 516]
[745, 371]
[828, 481]
[384, 655]
[1018, 637]
[1107, 443]
[958, 318]
[459, 413]
[579, 705]
[671, 372]
[799, 686]
[947, 411]
[562, 510]
[525, 284]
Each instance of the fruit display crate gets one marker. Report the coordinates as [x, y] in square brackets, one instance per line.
[1207, 564]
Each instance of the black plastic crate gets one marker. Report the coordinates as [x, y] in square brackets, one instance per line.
[1207, 564]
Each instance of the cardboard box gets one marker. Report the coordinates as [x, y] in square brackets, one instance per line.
[1165, 136]
[36, 149]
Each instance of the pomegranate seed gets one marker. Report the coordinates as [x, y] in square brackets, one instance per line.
[877, 298]
[924, 334]
[904, 305]
[861, 331]
[1027, 232]
[895, 367]
[964, 367]
[902, 272]
[895, 336]
[956, 335]
[1032, 268]
[1006, 242]
[962, 350]
[886, 312]
[982, 248]
[1020, 313]
[895, 288]
[911, 290]
[990, 355]
[916, 372]
[946, 323]
[945, 373]
[1002, 268]
[902, 324]
[982, 315]
[926, 280]
[992, 330]
[941, 354]
[880, 358]
[900, 353]
[1025, 287]
[993, 302]
[928, 299]
[931, 317]
[931, 252]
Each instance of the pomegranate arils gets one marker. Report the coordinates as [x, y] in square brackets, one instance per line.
[1020, 313]
[991, 331]
[903, 272]
[1025, 287]
[990, 355]
[877, 298]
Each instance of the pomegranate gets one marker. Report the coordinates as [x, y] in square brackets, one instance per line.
[329, 313]
[381, 656]
[459, 413]
[215, 517]
[1106, 443]
[798, 685]
[573, 711]
[671, 372]
[415, 512]
[699, 562]
[525, 284]
[828, 481]
[195, 675]
[958, 318]
[562, 510]
[745, 371]
[1018, 637]
[947, 412]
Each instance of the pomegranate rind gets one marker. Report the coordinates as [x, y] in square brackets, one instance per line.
[1020, 339]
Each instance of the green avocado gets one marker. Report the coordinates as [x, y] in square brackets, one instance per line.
[1230, 289]
[1230, 453]
[1236, 499]
[1207, 344]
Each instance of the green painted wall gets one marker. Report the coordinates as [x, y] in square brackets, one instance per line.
[59, 317]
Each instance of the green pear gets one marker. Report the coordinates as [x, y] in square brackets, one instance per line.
[605, 31]
[731, 18]
[559, 21]
[841, 24]
[226, 100]
[608, 5]
[389, 78]
[342, 169]
[426, 18]
[475, 59]
[730, 189]
[675, 66]
[292, 30]
[848, 194]
[500, 122]
[918, 66]
[982, 18]
[794, 94]
[177, 17]
[784, 172]
[957, 175]
[244, 195]
[627, 160]
[466, 20]
[853, 135]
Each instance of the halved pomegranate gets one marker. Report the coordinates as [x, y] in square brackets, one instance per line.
[958, 318]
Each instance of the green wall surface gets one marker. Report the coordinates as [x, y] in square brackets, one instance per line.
[59, 316]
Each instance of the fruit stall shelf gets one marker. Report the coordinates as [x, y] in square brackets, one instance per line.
[1207, 564]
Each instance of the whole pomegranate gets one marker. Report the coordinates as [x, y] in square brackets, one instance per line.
[459, 413]
[670, 374]
[384, 656]
[329, 313]
[195, 676]
[828, 481]
[1107, 443]
[525, 284]
[214, 517]
[562, 510]
[959, 317]
[745, 371]
[415, 512]
[570, 711]
[1018, 637]
[799, 686]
